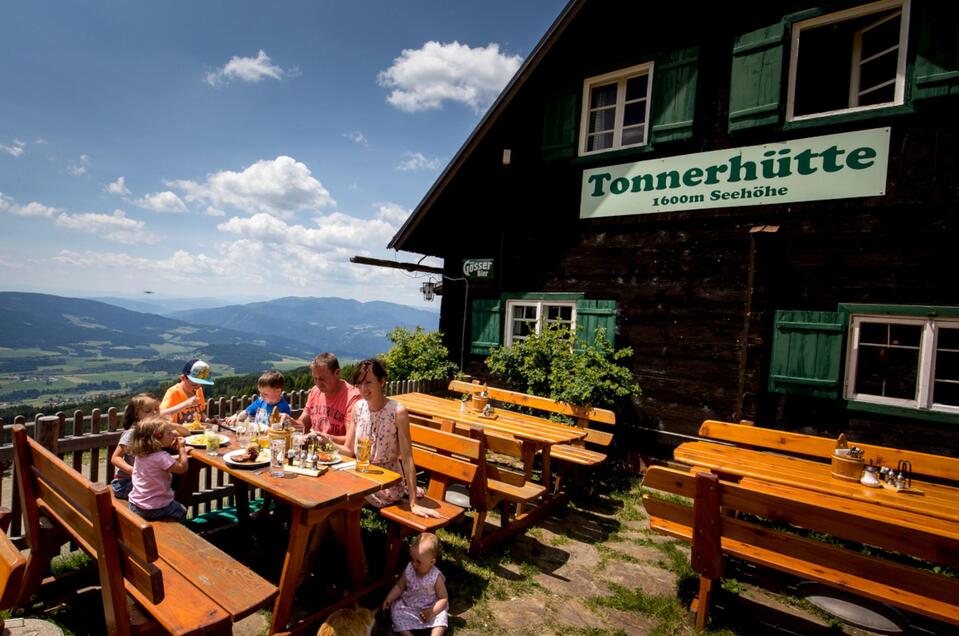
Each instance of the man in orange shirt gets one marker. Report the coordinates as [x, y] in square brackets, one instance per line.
[185, 398]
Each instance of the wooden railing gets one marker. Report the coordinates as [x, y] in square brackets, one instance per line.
[87, 440]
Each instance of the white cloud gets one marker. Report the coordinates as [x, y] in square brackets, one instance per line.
[392, 213]
[113, 227]
[80, 167]
[249, 69]
[212, 211]
[417, 161]
[15, 149]
[357, 137]
[424, 78]
[10, 206]
[281, 187]
[164, 202]
[117, 187]
[40, 141]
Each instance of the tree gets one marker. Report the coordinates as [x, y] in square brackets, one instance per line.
[418, 355]
[557, 364]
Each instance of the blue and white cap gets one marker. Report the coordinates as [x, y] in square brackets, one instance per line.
[198, 372]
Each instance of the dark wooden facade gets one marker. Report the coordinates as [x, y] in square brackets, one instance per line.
[696, 291]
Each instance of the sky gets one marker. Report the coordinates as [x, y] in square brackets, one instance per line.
[235, 149]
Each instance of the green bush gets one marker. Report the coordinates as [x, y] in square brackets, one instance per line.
[557, 364]
[418, 355]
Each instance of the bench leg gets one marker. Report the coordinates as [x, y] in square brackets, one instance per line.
[479, 525]
[702, 602]
[395, 544]
[38, 561]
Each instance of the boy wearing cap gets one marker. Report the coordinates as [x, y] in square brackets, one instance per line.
[185, 398]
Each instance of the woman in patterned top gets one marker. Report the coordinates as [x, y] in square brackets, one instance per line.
[386, 423]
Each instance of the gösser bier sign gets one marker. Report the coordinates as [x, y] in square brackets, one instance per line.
[839, 166]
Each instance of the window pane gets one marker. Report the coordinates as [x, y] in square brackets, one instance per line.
[878, 71]
[946, 393]
[884, 95]
[636, 87]
[947, 357]
[881, 37]
[600, 142]
[634, 135]
[887, 372]
[523, 321]
[603, 96]
[634, 113]
[563, 313]
[823, 69]
[874, 332]
[602, 120]
[948, 338]
[905, 335]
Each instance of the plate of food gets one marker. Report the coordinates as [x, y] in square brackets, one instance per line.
[250, 457]
[192, 426]
[199, 441]
[328, 457]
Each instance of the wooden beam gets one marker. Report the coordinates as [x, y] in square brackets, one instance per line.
[410, 267]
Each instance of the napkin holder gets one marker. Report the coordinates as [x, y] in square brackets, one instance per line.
[847, 463]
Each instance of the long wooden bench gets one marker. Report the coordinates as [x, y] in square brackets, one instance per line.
[577, 454]
[12, 565]
[181, 584]
[448, 458]
[714, 535]
[923, 464]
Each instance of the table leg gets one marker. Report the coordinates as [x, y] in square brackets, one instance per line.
[354, 547]
[241, 495]
[188, 483]
[547, 470]
[292, 569]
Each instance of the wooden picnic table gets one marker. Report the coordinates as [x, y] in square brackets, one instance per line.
[312, 500]
[937, 506]
[536, 433]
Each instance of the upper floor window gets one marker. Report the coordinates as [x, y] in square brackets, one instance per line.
[904, 361]
[848, 61]
[527, 317]
[616, 110]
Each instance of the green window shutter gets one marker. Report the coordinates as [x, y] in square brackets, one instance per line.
[485, 329]
[807, 353]
[592, 314]
[674, 94]
[559, 127]
[755, 84]
[936, 71]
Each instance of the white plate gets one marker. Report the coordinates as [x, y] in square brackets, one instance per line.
[336, 460]
[199, 441]
[229, 459]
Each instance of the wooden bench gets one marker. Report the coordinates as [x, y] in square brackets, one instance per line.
[12, 565]
[506, 489]
[923, 464]
[714, 535]
[448, 458]
[576, 454]
[181, 584]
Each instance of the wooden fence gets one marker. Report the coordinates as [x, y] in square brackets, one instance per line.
[87, 440]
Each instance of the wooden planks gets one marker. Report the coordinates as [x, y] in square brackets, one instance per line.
[603, 416]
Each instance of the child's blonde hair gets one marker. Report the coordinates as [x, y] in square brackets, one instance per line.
[147, 434]
[137, 404]
[426, 541]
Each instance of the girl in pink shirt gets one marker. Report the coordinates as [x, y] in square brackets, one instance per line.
[152, 495]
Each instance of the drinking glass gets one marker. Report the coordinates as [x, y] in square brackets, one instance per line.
[243, 433]
[277, 456]
[364, 447]
[298, 440]
[262, 420]
[212, 440]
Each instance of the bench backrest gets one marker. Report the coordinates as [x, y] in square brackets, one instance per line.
[586, 413]
[702, 522]
[448, 457]
[122, 543]
[923, 464]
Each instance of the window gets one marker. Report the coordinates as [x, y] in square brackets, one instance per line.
[526, 317]
[904, 361]
[848, 61]
[616, 110]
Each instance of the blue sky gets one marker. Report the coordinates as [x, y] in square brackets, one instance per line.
[242, 150]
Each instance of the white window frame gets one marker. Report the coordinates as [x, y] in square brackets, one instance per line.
[842, 16]
[540, 307]
[620, 78]
[927, 361]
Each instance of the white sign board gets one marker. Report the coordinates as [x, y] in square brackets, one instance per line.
[839, 166]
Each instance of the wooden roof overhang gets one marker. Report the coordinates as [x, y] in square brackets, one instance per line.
[404, 238]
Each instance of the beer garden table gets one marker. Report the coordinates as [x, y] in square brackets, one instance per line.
[537, 434]
[312, 500]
